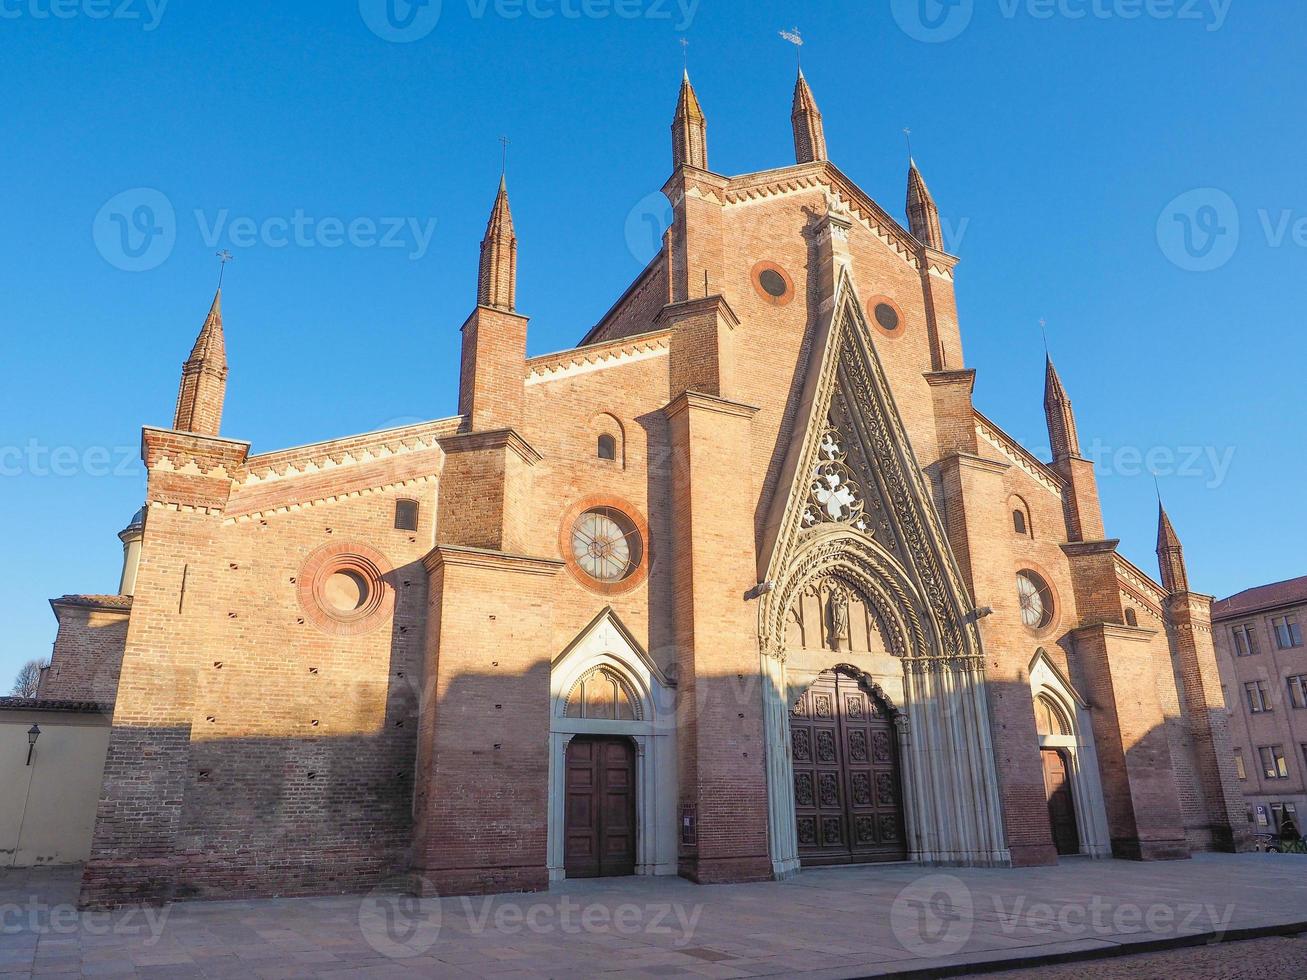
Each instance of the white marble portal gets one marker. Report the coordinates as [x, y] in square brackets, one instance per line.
[607, 643]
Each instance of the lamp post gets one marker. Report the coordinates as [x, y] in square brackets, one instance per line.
[33, 734]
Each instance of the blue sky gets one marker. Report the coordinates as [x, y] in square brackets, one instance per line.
[1063, 139]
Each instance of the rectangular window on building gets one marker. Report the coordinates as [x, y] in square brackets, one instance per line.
[1287, 632]
[1297, 690]
[1238, 763]
[1258, 702]
[1245, 641]
[1273, 764]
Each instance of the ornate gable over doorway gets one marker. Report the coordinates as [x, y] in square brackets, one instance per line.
[855, 504]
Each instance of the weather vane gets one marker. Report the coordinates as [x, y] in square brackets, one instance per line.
[223, 258]
[795, 37]
[504, 141]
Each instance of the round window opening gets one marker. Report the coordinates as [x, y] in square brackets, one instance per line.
[1036, 600]
[606, 545]
[887, 317]
[346, 592]
[773, 283]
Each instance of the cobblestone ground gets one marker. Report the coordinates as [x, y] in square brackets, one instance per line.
[1254, 959]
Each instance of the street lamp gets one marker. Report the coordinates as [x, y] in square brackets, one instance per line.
[33, 734]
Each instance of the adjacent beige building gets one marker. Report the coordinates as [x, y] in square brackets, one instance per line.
[1259, 643]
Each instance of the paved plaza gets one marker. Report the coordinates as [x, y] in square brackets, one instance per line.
[843, 922]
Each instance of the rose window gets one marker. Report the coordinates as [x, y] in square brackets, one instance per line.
[833, 495]
[606, 544]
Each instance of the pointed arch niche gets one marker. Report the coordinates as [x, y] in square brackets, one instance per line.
[1063, 723]
[604, 683]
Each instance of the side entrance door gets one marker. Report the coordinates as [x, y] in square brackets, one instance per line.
[599, 827]
[847, 786]
[1061, 807]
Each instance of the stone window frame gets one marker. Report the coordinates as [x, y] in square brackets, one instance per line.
[1297, 686]
[1279, 765]
[1261, 704]
[1247, 633]
[1288, 634]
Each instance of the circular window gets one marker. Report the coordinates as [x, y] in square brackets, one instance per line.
[773, 283]
[886, 316]
[606, 545]
[343, 589]
[1036, 600]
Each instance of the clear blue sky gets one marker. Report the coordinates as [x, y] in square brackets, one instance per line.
[1055, 143]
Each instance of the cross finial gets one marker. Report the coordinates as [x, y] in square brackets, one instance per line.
[907, 134]
[504, 142]
[1043, 329]
[223, 258]
[795, 37]
[685, 54]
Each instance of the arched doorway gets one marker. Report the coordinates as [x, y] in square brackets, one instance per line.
[848, 787]
[599, 825]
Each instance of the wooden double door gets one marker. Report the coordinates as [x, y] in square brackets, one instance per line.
[599, 822]
[848, 795]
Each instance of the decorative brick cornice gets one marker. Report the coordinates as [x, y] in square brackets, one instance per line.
[465, 442]
[962, 376]
[443, 555]
[703, 306]
[1119, 631]
[1009, 447]
[57, 704]
[1133, 578]
[264, 511]
[320, 457]
[1079, 549]
[187, 454]
[969, 461]
[112, 605]
[597, 357]
[694, 399]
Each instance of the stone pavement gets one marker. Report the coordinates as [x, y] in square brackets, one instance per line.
[839, 922]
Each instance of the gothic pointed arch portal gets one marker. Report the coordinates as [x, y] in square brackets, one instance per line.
[854, 510]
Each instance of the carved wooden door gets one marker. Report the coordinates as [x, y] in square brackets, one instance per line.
[847, 786]
[599, 825]
[1061, 806]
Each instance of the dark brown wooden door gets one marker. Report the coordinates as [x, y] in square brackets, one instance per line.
[847, 787]
[599, 826]
[1061, 807]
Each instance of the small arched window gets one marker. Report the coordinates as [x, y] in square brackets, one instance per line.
[1019, 522]
[608, 447]
[1131, 617]
[406, 515]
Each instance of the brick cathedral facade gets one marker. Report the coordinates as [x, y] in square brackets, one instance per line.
[744, 582]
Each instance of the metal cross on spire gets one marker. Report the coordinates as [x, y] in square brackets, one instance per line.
[504, 142]
[795, 37]
[1043, 329]
[223, 258]
[907, 134]
[685, 54]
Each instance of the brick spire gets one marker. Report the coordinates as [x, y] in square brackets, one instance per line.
[1062, 435]
[923, 216]
[204, 378]
[497, 283]
[809, 133]
[689, 130]
[1170, 555]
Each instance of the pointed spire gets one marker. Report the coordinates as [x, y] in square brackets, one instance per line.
[923, 215]
[497, 280]
[1062, 435]
[1170, 555]
[689, 129]
[809, 133]
[204, 378]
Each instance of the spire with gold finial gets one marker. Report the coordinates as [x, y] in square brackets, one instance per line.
[497, 281]
[204, 378]
[809, 132]
[1062, 436]
[923, 215]
[689, 129]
